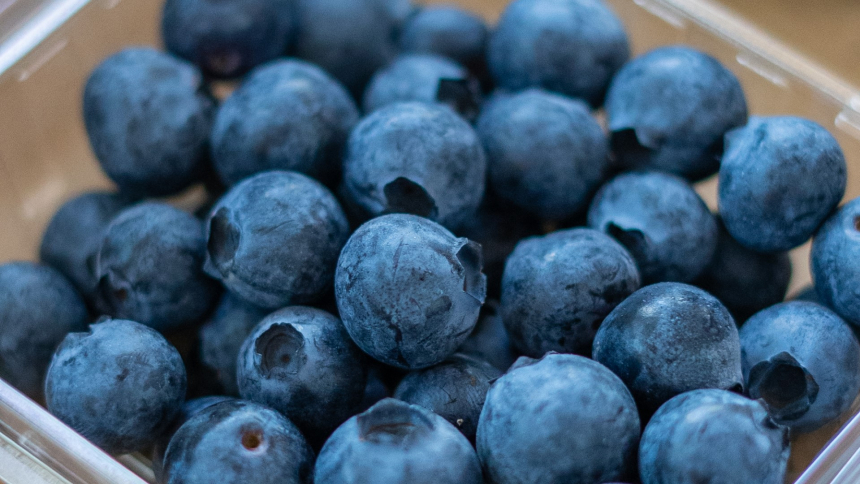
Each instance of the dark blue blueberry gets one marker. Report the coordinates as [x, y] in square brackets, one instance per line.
[150, 268]
[713, 436]
[661, 220]
[222, 336]
[227, 38]
[668, 110]
[780, 178]
[274, 239]
[238, 441]
[38, 307]
[836, 262]
[286, 115]
[376, 388]
[408, 291]
[803, 361]
[415, 158]
[350, 39]
[545, 153]
[120, 385]
[563, 418]
[301, 362]
[397, 443]
[667, 339]
[570, 46]
[489, 340]
[148, 117]
[744, 280]
[558, 288]
[454, 389]
[449, 31]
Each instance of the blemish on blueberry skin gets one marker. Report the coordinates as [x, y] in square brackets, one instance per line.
[785, 385]
[252, 439]
[403, 195]
[279, 348]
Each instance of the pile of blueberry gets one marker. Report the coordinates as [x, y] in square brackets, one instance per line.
[424, 260]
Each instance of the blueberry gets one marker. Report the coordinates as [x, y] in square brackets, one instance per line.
[448, 31]
[454, 389]
[274, 239]
[376, 388]
[415, 158]
[227, 38]
[661, 220]
[120, 385]
[744, 280]
[835, 263]
[238, 441]
[489, 340]
[286, 115]
[546, 153]
[667, 339]
[570, 46]
[408, 291]
[149, 267]
[669, 109]
[780, 178]
[301, 362]
[803, 361]
[148, 118]
[38, 307]
[222, 336]
[350, 40]
[558, 288]
[563, 418]
[713, 436]
[397, 443]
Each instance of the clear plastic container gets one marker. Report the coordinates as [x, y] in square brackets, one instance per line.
[47, 49]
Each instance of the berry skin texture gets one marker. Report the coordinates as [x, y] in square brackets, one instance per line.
[780, 178]
[252, 134]
[274, 239]
[120, 385]
[525, 432]
[238, 441]
[408, 291]
[448, 31]
[38, 307]
[397, 443]
[713, 436]
[558, 288]
[667, 339]
[669, 109]
[148, 117]
[546, 153]
[803, 361]
[836, 262]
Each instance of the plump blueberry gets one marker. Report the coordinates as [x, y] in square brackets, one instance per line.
[744, 280]
[397, 443]
[454, 389]
[669, 109]
[148, 118]
[570, 46]
[415, 158]
[836, 262]
[222, 336]
[546, 153]
[238, 441]
[713, 436]
[803, 361]
[489, 340]
[38, 307]
[448, 31]
[667, 339]
[408, 291]
[558, 288]
[274, 239]
[301, 362]
[661, 220]
[227, 38]
[780, 178]
[150, 267]
[563, 418]
[120, 385]
[424, 78]
[350, 40]
[286, 115]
